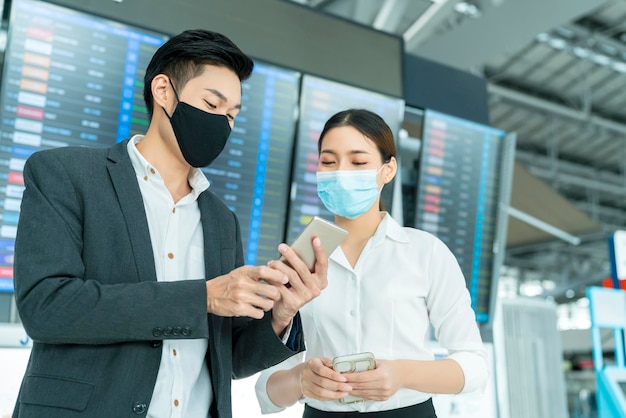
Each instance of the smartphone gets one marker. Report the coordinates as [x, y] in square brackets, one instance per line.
[329, 234]
[354, 363]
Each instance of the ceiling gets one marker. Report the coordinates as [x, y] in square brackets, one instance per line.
[556, 75]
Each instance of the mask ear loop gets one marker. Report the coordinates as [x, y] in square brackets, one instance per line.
[175, 95]
[175, 92]
[379, 170]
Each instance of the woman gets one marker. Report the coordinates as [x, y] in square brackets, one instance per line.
[386, 286]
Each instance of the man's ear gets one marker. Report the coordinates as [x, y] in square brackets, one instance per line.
[161, 91]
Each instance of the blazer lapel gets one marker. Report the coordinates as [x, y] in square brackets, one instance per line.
[128, 193]
[212, 255]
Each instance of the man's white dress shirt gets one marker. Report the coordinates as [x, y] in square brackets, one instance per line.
[183, 387]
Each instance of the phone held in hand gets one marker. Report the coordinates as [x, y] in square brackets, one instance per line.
[354, 363]
[329, 234]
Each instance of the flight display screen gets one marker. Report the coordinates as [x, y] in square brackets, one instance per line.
[71, 78]
[320, 99]
[250, 175]
[457, 196]
[68, 79]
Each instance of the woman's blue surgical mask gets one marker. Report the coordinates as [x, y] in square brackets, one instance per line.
[348, 193]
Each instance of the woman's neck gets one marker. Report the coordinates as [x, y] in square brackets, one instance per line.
[360, 230]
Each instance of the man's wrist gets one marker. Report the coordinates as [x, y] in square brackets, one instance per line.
[280, 324]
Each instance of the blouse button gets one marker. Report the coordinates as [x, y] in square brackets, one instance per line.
[170, 255]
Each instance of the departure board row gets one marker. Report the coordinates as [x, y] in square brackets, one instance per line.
[320, 99]
[457, 196]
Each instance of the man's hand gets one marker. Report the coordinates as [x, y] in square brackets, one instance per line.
[242, 293]
[304, 285]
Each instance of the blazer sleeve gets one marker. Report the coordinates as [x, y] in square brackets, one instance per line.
[255, 344]
[56, 301]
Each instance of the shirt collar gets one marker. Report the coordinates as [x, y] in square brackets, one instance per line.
[389, 228]
[197, 180]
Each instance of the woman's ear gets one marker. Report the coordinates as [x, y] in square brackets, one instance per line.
[390, 169]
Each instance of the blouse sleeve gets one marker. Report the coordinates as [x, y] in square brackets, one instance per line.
[266, 404]
[453, 318]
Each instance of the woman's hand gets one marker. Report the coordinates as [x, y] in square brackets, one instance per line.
[319, 381]
[378, 384]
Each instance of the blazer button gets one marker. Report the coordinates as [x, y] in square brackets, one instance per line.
[140, 408]
[157, 332]
[177, 330]
[186, 330]
[155, 343]
[167, 331]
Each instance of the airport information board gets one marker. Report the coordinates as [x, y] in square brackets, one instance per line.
[457, 196]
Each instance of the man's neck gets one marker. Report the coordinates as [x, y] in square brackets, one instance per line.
[174, 172]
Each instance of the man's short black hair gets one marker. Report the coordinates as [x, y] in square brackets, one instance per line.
[184, 56]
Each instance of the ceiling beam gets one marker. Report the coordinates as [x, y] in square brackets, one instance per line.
[544, 226]
[390, 14]
[572, 173]
[365, 10]
[501, 30]
[427, 23]
[554, 108]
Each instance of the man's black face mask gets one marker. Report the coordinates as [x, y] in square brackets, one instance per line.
[201, 135]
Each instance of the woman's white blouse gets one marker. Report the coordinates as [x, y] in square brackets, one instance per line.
[404, 280]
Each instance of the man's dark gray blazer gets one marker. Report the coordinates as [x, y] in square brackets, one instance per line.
[87, 294]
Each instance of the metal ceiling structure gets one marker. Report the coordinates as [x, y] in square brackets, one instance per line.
[557, 77]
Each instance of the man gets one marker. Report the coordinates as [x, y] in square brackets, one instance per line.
[122, 252]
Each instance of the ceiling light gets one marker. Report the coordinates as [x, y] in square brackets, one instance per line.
[620, 67]
[531, 288]
[557, 43]
[601, 59]
[543, 37]
[467, 9]
[581, 52]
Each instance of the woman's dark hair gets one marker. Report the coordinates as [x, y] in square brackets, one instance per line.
[369, 124]
[184, 56]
